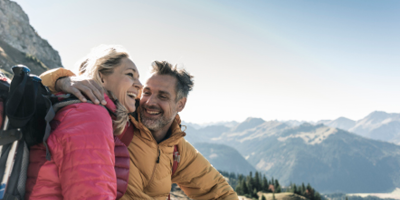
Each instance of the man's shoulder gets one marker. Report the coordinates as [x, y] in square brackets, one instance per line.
[185, 148]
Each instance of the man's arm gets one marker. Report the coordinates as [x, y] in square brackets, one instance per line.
[63, 80]
[198, 178]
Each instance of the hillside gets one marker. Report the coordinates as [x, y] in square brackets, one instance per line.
[282, 196]
[220, 155]
[21, 44]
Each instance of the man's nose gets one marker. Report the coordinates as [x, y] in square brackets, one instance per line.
[151, 100]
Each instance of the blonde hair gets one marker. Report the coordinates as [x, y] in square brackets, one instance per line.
[103, 59]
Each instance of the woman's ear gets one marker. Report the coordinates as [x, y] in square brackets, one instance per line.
[101, 77]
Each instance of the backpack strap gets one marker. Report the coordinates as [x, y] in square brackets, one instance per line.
[51, 114]
[177, 159]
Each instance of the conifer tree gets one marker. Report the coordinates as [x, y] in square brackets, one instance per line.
[303, 189]
[257, 182]
[245, 189]
[278, 189]
[265, 184]
[239, 189]
[272, 181]
[276, 183]
[240, 177]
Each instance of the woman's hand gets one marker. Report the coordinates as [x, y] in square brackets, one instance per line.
[81, 87]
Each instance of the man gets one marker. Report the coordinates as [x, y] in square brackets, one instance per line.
[156, 132]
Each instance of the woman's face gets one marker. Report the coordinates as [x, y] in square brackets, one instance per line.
[124, 83]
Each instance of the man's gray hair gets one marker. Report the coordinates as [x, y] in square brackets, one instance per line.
[184, 80]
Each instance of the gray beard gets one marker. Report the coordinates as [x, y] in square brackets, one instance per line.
[154, 124]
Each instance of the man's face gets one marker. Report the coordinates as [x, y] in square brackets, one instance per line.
[158, 103]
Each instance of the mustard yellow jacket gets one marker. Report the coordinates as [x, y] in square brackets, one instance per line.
[151, 162]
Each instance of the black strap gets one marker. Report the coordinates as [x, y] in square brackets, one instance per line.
[12, 186]
[9, 136]
[49, 116]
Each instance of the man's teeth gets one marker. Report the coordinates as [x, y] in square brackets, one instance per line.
[132, 95]
[153, 112]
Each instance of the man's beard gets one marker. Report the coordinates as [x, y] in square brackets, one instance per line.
[154, 124]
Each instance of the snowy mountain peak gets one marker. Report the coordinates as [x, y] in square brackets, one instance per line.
[248, 123]
[313, 137]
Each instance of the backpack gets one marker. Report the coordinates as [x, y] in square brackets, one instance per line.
[26, 110]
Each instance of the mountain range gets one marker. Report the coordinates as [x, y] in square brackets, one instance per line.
[377, 125]
[331, 159]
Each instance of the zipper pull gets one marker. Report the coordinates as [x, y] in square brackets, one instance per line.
[158, 158]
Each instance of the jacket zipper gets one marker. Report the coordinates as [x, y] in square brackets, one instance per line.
[157, 162]
[155, 166]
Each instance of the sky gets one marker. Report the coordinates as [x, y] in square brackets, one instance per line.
[276, 60]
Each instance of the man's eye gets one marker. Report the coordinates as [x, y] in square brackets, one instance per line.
[130, 74]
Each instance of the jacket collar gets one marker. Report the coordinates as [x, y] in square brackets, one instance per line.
[110, 103]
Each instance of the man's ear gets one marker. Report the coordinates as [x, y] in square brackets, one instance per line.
[181, 104]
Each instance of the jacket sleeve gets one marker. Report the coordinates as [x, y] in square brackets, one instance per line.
[50, 77]
[82, 146]
[198, 178]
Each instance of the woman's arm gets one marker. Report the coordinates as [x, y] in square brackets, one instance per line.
[82, 146]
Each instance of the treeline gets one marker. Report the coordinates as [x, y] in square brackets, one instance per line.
[305, 191]
[250, 185]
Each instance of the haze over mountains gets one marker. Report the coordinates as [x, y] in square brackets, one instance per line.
[378, 125]
[329, 158]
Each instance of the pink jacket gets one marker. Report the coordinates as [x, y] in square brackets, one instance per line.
[86, 159]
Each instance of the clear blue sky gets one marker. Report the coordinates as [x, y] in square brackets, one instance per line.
[289, 59]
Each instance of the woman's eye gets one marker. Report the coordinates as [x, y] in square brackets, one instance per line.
[130, 74]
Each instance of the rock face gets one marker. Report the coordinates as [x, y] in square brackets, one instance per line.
[21, 44]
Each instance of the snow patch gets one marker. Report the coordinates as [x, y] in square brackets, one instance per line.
[214, 155]
[316, 137]
[262, 165]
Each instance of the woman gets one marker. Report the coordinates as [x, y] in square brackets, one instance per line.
[87, 159]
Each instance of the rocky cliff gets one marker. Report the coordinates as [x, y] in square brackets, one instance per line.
[21, 44]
